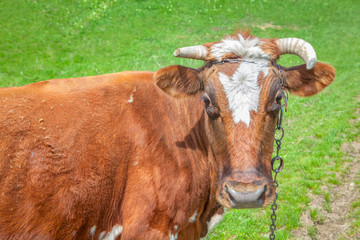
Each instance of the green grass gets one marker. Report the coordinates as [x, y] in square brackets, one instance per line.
[355, 228]
[316, 217]
[312, 230]
[326, 204]
[44, 39]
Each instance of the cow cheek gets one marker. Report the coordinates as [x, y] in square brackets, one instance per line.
[216, 134]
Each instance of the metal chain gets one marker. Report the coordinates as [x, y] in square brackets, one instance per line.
[279, 127]
[232, 60]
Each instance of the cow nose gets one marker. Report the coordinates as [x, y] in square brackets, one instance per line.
[246, 199]
[250, 189]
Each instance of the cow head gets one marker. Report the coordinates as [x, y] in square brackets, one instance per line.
[242, 101]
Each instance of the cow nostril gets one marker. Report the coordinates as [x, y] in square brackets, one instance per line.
[229, 194]
[262, 197]
[247, 199]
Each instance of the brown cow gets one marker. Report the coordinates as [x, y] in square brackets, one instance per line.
[119, 157]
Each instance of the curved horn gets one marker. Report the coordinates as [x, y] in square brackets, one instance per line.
[300, 48]
[195, 52]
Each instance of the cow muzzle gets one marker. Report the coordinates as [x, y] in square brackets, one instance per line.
[246, 190]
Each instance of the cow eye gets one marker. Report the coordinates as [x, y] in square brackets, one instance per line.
[278, 99]
[206, 100]
[212, 111]
[276, 103]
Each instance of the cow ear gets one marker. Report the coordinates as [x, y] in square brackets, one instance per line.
[304, 83]
[178, 81]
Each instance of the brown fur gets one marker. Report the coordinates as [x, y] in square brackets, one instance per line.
[270, 47]
[115, 150]
[184, 81]
[304, 83]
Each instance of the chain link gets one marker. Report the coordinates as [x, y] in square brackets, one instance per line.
[279, 128]
[274, 205]
[236, 60]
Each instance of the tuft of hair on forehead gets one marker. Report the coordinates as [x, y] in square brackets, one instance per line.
[245, 33]
[242, 46]
[269, 46]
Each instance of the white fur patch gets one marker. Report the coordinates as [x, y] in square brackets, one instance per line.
[193, 217]
[131, 99]
[242, 89]
[215, 220]
[92, 230]
[244, 48]
[173, 236]
[101, 235]
[113, 234]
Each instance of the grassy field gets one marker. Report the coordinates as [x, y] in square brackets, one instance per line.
[44, 39]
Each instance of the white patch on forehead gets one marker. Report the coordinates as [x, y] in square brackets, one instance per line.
[244, 48]
[242, 90]
[113, 234]
[193, 217]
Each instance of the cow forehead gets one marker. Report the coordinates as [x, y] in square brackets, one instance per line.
[242, 88]
[249, 48]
